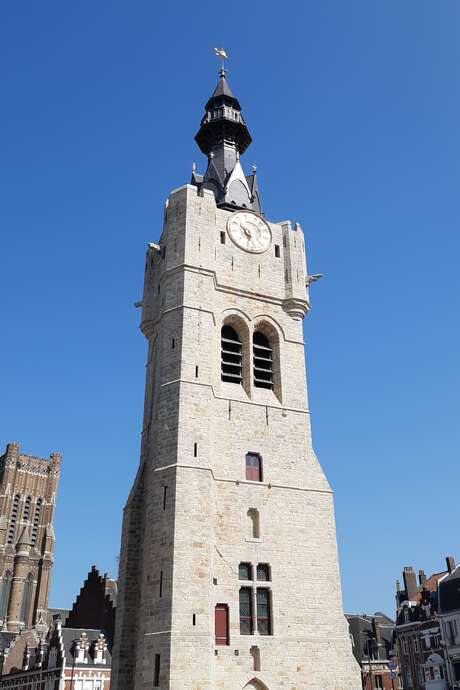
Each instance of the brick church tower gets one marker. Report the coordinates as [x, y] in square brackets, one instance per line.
[229, 575]
[28, 487]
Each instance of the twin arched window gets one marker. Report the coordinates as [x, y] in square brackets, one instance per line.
[232, 358]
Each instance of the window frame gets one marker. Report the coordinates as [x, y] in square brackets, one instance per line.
[250, 571]
[266, 592]
[257, 472]
[246, 619]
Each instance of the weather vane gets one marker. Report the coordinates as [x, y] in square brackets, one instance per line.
[222, 54]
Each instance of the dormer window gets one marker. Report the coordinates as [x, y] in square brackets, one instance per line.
[99, 650]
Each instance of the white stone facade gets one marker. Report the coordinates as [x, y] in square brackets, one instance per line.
[186, 525]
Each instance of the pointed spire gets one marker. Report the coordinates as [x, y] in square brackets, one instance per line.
[223, 88]
[223, 137]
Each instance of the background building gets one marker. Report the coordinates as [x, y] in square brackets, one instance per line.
[373, 638]
[75, 654]
[420, 649]
[28, 487]
[449, 619]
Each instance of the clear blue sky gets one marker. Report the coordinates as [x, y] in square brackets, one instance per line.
[354, 109]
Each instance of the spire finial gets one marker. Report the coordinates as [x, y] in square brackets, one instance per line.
[222, 54]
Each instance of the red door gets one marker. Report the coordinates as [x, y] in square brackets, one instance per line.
[221, 624]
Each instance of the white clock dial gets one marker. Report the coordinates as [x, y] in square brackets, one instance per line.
[249, 232]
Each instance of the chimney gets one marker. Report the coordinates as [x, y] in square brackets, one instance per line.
[450, 561]
[376, 631]
[410, 583]
[421, 577]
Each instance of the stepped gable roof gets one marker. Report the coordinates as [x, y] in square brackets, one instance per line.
[95, 606]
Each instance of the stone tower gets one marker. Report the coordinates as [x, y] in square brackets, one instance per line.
[28, 487]
[229, 575]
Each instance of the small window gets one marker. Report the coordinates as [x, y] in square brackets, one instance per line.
[173, 343]
[253, 523]
[263, 572]
[244, 571]
[165, 494]
[378, 681]
[195, 450]
[253, 467]
[246, 617]
[156, 672]
[222, 237]
[263, 361]
[277, 251]
[161, 584]
[221, 624]
[264, 617]
[231, 356]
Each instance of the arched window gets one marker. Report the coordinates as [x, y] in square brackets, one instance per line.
[5, 589]
[26, 597]
[36, 522]
[231, 355]
[13, 519]
[253, 523]
[263, 361]
[253, 467]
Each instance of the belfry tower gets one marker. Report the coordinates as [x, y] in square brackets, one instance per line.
[229, 575]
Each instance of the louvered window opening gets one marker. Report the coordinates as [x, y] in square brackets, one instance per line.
[26, 511]
[38, 510]
[263, 361]
[231, 356]
[14, 517]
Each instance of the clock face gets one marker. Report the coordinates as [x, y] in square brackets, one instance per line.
[249, 232]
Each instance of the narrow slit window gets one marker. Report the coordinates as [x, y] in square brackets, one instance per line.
[222, 237]
[246, 616]
[165, 494]
[161, 584]
[196, 372]
[194, 619]
[263, 361]
[231, 356]
[173, 343]
[277, 251]
[253, 467]
[195, 450]
[253, 523]
[264, 616]
[221, 624]
[156, 672]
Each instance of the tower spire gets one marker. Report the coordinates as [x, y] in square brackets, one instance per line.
[223, 137]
